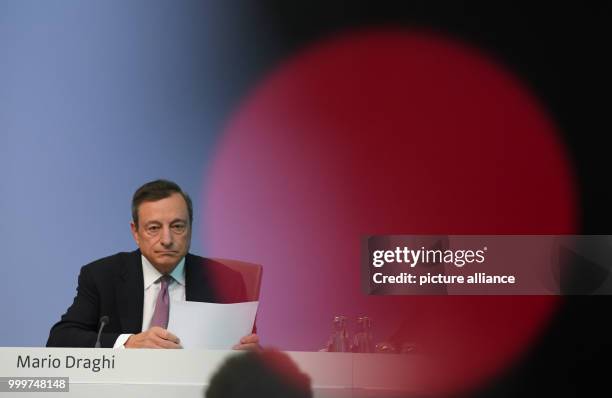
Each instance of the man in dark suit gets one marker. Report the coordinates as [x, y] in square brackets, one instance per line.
[134, 289]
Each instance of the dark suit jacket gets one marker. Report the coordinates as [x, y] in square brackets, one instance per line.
[114, 286]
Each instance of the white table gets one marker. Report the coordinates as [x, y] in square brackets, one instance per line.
[185, 373]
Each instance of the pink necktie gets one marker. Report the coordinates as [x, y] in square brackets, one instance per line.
[162, 306]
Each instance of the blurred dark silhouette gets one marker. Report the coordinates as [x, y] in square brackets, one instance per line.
[254, 374]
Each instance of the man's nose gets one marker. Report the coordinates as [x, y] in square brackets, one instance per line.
[166, 237]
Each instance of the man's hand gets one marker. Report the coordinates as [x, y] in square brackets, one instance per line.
[155, 337]
[250, 342]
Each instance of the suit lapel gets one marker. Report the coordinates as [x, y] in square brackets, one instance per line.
[197, 282]
[130, 288]
[130, 293]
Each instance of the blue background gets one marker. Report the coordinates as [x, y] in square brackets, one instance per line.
[97, 98]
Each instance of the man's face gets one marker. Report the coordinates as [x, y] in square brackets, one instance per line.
[163, 233]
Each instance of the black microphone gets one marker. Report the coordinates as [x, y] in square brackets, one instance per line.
[103, 322]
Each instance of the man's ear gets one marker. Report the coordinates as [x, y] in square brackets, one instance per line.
[134, 232]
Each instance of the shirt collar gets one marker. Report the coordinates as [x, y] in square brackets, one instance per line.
[151, 274]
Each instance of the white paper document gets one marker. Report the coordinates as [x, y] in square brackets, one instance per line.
[210, 325]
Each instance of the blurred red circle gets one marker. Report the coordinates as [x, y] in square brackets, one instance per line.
[387, 132]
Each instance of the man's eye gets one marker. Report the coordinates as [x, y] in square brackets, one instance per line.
[153, 228]
[178, 227]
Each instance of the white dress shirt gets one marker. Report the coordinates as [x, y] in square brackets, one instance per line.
[152, 286]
